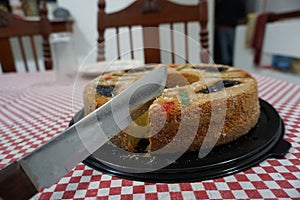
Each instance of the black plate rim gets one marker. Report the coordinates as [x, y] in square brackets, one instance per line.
[192, 175]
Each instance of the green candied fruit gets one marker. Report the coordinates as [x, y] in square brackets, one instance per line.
[117, 74]
[236, 70]
[184, 98]
[181, 67]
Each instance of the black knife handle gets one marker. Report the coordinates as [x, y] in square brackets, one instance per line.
[15, 184]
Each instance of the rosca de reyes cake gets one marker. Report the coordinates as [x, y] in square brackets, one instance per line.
[201, 105]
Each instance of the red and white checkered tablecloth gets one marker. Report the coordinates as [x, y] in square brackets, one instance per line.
[33, 110]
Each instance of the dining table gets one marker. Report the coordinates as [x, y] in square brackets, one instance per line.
[34, 108]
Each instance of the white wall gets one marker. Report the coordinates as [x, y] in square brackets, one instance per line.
[84, 14]
[85, 26]
[282, 6]
[274, 5]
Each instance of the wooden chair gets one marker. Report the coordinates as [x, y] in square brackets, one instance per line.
[13, 27]
[152, 13]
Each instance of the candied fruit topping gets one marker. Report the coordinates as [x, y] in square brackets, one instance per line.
[117, 74]
[105, 90]
[246, 74]
[108, 78]
[167, 106]
[211, 69]
[218, 69]
[141, 69]
[172, 66]
[229, 83]
[222, 69]
[234, 70]
[218, 86]
[181, 67]
[200, 67]
[184, 98]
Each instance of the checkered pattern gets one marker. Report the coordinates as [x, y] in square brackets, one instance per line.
[34, 110]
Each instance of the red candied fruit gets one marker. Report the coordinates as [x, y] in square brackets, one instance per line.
[173, 66]
[246, 74]
[167, 106]
[108, 78]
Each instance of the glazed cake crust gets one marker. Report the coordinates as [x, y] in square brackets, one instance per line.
[212, 103]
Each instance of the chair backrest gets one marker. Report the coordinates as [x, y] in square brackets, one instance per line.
[13, 27]
[152, 13]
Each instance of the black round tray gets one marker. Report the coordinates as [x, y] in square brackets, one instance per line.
[265, 140]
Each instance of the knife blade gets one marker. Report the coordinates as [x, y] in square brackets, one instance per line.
[46, 165]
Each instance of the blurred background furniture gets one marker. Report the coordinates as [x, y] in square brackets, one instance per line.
[279, 38]
[153, 13]
[259, 31]
[18, 36]
[11, 26]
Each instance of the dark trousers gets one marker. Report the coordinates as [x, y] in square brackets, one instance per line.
[226, 41]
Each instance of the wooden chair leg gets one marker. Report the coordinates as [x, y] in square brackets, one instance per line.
[6, 57]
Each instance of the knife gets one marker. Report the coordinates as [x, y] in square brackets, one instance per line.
[50, 162]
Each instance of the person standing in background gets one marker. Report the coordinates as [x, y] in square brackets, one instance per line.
[228, 14]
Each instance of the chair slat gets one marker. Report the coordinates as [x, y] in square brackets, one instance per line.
[172, 43]
[23, 53]
[118, 42]
[204, 51]
[186, 42]
[101, 46]
[101, 29]
[151, 44]
[32, 43]
[131, 42]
